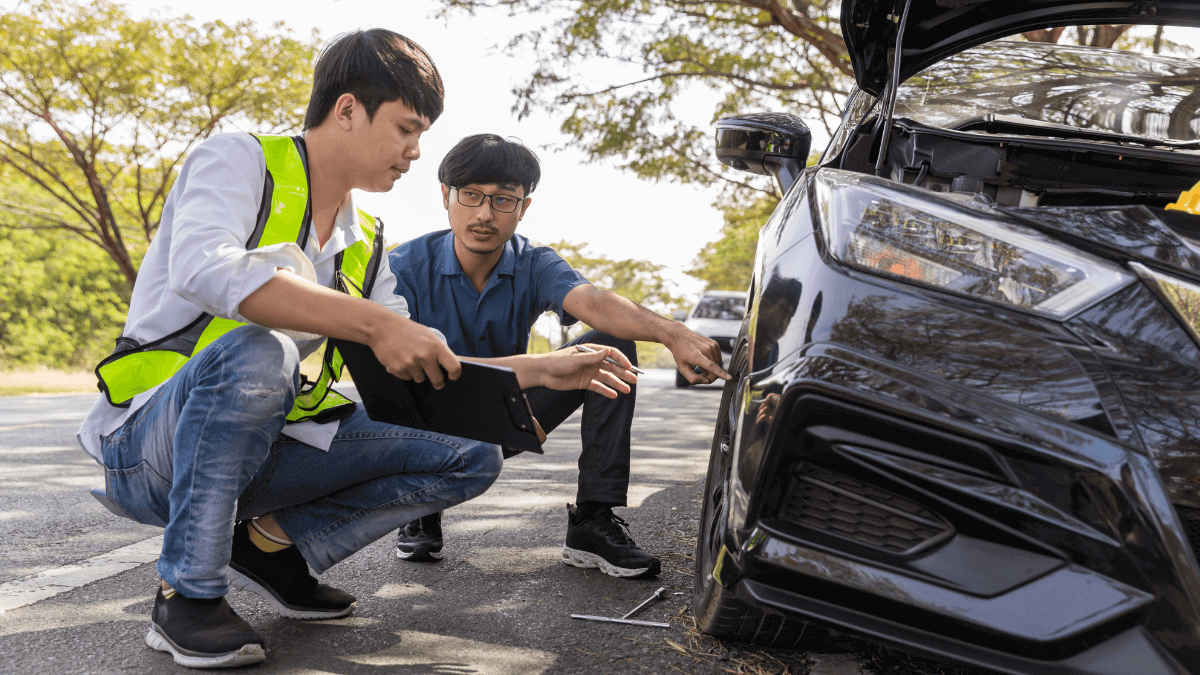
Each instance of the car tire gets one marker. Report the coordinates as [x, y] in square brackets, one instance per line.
[717, 610]
[681, 381]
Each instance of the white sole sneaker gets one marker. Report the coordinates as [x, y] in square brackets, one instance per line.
[418, 555]
[241, 582]
[244, 656]
[577, 558]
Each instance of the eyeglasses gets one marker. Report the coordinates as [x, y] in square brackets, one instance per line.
[474, 198]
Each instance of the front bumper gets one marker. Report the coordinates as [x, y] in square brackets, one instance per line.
[897, 505]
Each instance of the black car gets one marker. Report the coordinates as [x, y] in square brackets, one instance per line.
[964, 417]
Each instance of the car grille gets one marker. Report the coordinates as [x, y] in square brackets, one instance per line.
[852, 509]
[726, 343]
[1191, 525]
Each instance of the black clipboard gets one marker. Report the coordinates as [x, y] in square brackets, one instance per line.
[484, 404]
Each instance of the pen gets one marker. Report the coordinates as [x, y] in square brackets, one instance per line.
[610, 359]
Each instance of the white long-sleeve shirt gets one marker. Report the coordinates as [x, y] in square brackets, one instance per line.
[198, 262]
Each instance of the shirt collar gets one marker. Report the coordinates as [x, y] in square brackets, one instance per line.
[347, 231]
[349, 223]
[447, 260]
[508, 260]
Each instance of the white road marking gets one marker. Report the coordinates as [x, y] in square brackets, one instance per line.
[23, 426]
[50, 583]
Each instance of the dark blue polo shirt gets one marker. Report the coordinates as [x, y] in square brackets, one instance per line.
[527, 281]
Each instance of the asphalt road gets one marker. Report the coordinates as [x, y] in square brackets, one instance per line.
[76, 583]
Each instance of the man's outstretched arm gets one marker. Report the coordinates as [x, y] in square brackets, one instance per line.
[620, 317]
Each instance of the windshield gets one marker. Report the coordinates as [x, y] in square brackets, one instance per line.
[711, 307]
[1102, 89]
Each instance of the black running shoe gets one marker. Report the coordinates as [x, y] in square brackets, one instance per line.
[604, 542]
[283, 580]
[202, 633]
[421, 540]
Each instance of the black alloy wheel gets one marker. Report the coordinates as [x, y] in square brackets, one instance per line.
[717, 610]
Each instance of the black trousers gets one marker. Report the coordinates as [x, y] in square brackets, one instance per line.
[604, 461]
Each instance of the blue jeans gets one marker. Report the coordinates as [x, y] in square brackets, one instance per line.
[203, 453]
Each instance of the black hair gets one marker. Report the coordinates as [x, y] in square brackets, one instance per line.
[487, 159]
[378, 66]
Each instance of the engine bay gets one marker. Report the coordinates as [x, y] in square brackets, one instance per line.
[1021, 170]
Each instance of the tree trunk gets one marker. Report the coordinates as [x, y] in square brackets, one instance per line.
[1045, 35]
[114, 243]
[1107, 36]
[125, 264]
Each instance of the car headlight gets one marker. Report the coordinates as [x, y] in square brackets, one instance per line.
[907, 234]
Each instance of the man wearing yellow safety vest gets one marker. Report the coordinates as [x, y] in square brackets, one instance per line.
[206, 427]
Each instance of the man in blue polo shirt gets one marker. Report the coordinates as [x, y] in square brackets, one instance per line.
[482, 285]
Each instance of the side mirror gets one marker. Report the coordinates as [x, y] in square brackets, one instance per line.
[679, 314]
[774, 144]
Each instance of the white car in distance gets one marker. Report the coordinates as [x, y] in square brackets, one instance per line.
[717, 315]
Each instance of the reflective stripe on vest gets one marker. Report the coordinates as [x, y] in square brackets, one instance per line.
[284, 215]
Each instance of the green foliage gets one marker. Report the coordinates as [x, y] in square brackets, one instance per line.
[98, 110]
[727, 263]
[638, 280]
[61, 301]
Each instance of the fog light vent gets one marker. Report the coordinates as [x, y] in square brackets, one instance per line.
[1191, 525]
[852, 509]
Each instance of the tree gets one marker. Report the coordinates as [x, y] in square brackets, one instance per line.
[638, 280]
[98, 110]
[60, 303]
[727, 263]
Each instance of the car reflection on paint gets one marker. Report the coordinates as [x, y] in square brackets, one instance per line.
[716, 315]
[965, 409]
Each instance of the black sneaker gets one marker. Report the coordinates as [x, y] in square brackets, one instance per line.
[202, 633]
[421, 540]
[604, 542]
[282, 579]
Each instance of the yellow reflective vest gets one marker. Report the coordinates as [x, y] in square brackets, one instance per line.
[284, 214]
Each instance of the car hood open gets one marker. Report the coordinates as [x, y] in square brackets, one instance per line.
[938, 28]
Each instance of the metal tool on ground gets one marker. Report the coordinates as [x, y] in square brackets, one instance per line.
[625, 619]
[657, 596]
[633, 622]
